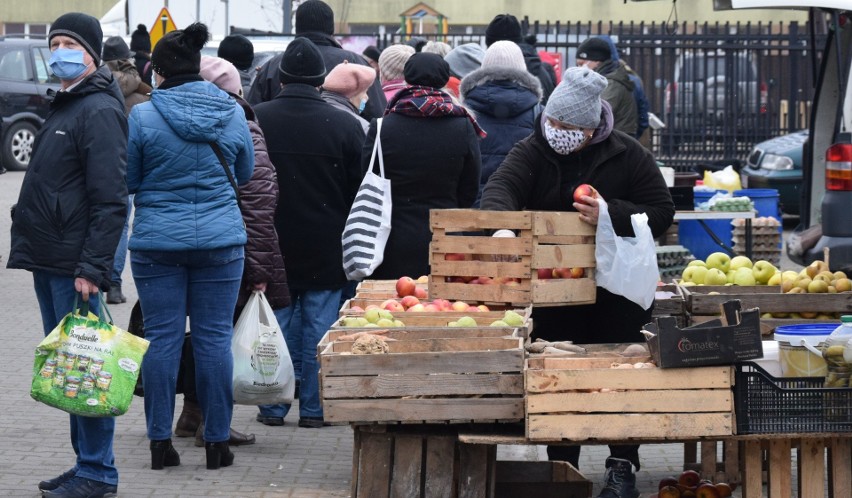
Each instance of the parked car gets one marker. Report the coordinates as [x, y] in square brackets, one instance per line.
[777, 164]
[25, 80]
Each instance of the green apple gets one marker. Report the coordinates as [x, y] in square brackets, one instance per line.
[372, 316]
[715, 276]
[789, 275]
[384, 322]
[696, 262]
[730, 276]
[695, 274]
[513, 319]
[398, 323]
[498, 323]
[763, 271]
[744, 276]
[775, 280]
[719, 260]
[466, 321]
[386, 315]
[738, 262]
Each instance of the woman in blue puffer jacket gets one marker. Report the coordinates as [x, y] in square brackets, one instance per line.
[186, 250]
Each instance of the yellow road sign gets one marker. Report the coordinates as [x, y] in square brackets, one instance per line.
[162, 25]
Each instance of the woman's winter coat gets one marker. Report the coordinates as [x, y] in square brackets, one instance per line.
[339, 101]
[258, 201]
[184, 200]
[505, 102]
[432, 163]
[134, 91]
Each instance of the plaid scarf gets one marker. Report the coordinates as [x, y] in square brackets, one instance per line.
[427, 102]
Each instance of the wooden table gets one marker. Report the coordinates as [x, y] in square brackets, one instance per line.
[700, 216]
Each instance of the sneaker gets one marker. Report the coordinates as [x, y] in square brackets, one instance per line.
[311, 422]
[269, 420]
[619, 480]
[80, 487]
[51, 484]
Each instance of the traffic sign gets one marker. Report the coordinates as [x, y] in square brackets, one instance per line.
[162, 25]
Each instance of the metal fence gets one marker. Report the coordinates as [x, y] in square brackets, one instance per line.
[718, 88]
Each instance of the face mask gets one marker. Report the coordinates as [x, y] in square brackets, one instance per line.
[67, 64]
[563, 141]
[362, 106]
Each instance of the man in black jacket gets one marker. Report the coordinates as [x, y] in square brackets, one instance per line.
[315, 21]
[69, 217]
[507, 27]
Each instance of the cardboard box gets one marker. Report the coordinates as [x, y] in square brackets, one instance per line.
[709, 343]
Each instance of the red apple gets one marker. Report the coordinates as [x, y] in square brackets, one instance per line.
[707, 491]
[562, 273]
[409, 301]
[420, 293]
[545, 273]
[667, 481]
[405, 286]
[482, 307]
[460, 306]
[454, 256]
[417, 307]
[689, 478]
[431, 307]
[392, 305]
[578, 272]
[584, 190]
[372, 307]
[485, 280]
[456, 280]
[356, 309]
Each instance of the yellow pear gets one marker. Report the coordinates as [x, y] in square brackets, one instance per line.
[797, 290]
[839, 274]
[817, 286]
[803, 283]
[789, 275]
[775, 280]
[843, 285]
[786, 285]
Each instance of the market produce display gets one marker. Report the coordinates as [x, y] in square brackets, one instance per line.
[690, 484]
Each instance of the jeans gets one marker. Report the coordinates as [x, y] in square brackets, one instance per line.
[91, 437]
[318, 310]
[121, 250]
[204, 285]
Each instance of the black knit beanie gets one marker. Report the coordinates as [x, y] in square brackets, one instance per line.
[426, 69]
[503, 27]
[314, 15]
[238, 50]
[302, 63]
[372, 53]
[179, 52]
[115, 48]
[83, 28]
[140, 40]
[594, 49]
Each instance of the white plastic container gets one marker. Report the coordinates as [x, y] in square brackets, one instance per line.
[795, 359]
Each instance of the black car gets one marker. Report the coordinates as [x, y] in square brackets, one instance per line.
[25, 79]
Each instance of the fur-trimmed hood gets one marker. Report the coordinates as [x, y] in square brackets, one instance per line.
[485, 74]
[500, 92]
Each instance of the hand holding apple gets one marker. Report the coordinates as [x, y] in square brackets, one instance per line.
[586, 203]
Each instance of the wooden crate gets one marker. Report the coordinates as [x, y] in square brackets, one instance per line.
[432, 375]
[670, 306]
[544, 240]
[564, 401]
[346, 309]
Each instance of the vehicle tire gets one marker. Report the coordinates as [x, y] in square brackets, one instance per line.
[18, 145]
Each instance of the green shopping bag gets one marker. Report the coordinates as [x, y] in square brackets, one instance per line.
[87, 366]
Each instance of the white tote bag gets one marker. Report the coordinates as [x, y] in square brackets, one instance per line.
[626, 266]
[263, 369]
[369, 222]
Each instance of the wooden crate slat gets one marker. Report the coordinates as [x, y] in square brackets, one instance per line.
[549, 362]
[374, 465]
[768, 298]
[438, 345]
[541, 381]
[560, 223]
[387, 386]
[485, 293]
[476, 219]
[653, 401]
[565, 239]
[462, 244]
[407, 465]
[556, 291]
[414, 363]
[439, 468]
[520, 269]
[418, 410]
[630, 425]
[561, 256]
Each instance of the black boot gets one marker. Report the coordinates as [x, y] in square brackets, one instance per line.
[619, 480]
[189, 420]
[163, 454]
[235, 438]
[218, 455]
[114, 295]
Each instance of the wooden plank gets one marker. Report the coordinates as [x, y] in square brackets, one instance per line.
[461, 244]
[387, 386]
[474, 470]
[518, 269]
[440, 458]
[437, 345]
[783, 303]
[419, 363]
[708, 459]
[812, 467]
[571, 291]
[495, 293]
[540, 381]
[560, 223]
[565, 239]
[419, 409]
[839, 477]
[476, 219]
[690, 455]
[407, 463]
[627, 426]
[356, 460]
[645, 401]
[779, 484]
[562, 256]
[374, 466]
[732, 461]
[752, 484]
[551, 362]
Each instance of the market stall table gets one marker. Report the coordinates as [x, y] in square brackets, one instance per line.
[700, 216]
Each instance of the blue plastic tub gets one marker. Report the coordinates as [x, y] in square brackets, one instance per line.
[692, 235]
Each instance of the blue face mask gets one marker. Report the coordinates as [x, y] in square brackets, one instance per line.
[67, 64]
[362, 105]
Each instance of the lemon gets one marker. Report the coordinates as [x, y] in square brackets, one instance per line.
[799, 362]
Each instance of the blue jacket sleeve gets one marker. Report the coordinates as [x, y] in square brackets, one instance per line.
[134, 151]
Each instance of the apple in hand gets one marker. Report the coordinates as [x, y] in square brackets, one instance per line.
[763, 271]
[405, 286]
[584, 190]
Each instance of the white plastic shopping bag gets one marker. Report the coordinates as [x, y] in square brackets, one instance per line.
[626, 266]
[369, 222]
[263, 370]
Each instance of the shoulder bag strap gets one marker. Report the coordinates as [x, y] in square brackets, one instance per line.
[218, 151]
[377, 149]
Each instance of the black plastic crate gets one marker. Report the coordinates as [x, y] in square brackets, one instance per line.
[765, 404]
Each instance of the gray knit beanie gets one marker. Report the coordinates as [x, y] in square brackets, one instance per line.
[577, 99]
[392, 61]
[465, 59]
[504, 53]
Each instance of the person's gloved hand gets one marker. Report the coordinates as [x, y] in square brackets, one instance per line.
[505, 258]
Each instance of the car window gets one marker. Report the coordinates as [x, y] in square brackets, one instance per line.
[13, 65]
[41, 56]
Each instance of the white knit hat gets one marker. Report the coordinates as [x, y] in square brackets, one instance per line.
[504, 53]
[436, 47]
[577, 99]
[392, 61]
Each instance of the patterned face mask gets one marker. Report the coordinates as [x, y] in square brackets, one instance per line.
[563, 141]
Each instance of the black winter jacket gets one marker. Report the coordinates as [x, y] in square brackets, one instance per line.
[73, 201]
[619, 94]
[541, 70]
[316, 151]
[267, 83]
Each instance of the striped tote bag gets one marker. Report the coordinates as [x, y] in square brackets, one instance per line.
[369, 222]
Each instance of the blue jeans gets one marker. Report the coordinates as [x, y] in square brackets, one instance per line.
[318, 310]
[91, 437]
[121, 250]
[204, 285]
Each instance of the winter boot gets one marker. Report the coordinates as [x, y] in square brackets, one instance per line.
[190, 419]
[235, 438]
[619, 480]
[114, 295]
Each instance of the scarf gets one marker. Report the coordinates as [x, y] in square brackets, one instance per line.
[427, 102]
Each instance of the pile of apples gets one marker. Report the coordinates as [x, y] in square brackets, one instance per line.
[690, 484]
[721, 269]
[551, 273]
[407, 286]
[510, 319]
[814, 279]
[373, 318]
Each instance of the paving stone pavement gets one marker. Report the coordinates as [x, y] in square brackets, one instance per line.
[285, 462]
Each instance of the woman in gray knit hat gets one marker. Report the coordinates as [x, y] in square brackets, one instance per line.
[574, 143]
